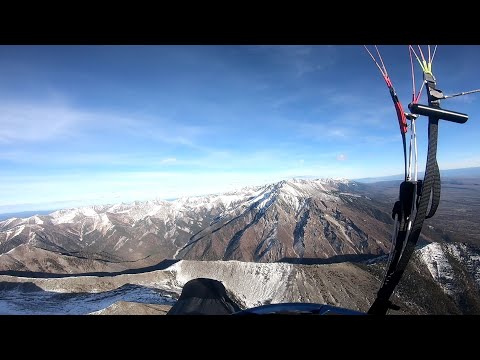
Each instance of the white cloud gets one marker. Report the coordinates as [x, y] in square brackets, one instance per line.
[29, 122]
[168, 161]
[341, 157]
[299, 59]
[35, 123]
[322, 131]
[285, 100]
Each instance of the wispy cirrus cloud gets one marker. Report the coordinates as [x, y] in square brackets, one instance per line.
[78, 159]
[300, 60]
[323, 131]
[168, 161]
[29, 122]
[36, 123]
[344, 119]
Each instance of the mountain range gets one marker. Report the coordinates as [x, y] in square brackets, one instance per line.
[319, 240]
[290, 219]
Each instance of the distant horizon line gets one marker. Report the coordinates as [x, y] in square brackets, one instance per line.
[43, 210]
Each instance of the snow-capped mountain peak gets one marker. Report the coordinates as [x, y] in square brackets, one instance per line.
[290, 218]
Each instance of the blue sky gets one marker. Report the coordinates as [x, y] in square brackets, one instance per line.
[103, 124]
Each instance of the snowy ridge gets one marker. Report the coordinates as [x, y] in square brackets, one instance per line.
[289, 189]
[69, 215]
[468, 258]
[7, 222]
[253, 284]
[436, 258]
[437, 263]
[17, 230]
[35, 220]
[135, 230]
[19, 302]
[259, 282]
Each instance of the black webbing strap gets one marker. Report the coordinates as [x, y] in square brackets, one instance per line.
[436, 188]
[420, 197]
[434, 96]
[400, 258]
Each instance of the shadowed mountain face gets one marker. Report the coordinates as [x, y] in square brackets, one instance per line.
[295, 219]
[295, 241]
[28, 298]
[289, 219]
[441, 279]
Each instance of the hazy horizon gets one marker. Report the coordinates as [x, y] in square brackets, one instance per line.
[53, 206]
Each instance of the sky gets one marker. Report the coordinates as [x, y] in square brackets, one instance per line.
[83, 125]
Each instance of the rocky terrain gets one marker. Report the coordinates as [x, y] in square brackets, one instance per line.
[436, 283]
[319, 241]
[289, 219]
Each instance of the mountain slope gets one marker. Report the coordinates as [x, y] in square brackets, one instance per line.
[433, 284]
[295, 219]
[289, 219]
